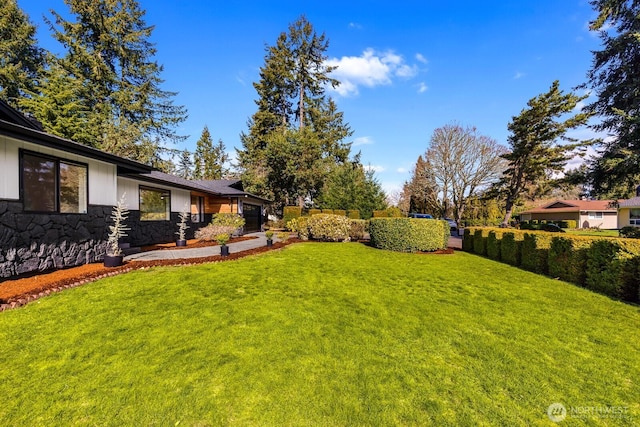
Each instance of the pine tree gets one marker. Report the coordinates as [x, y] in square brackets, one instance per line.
[111, 57]
[296, 128]
[534, 141]
[21, 60]
[185, 165]
[210, 160]
[614, 77]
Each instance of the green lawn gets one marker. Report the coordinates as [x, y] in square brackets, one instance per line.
[595, 233]
[321, 334]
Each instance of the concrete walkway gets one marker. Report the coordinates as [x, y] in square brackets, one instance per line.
[244, 245]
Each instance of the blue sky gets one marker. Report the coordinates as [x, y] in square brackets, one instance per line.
[407, 67]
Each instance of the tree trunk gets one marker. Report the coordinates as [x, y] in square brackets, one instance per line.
[508, 212]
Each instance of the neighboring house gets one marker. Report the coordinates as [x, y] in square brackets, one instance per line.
[56, 198]
[629, 211]
[587, 213]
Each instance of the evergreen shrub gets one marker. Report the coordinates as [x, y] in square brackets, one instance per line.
[329, 227]
[409, 234]
[291, 212]
[353, 214]
[510, 248]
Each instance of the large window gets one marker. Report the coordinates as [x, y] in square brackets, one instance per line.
[634, 217]
[155, 205]
[595, 215]
[53, 185]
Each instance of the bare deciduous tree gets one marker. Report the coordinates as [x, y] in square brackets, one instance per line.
[460, 162]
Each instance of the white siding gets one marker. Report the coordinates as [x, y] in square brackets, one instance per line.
[102, 175]
[179, 197]
[9, 169]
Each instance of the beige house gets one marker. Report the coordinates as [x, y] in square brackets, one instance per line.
[629, 213]
[587, 213]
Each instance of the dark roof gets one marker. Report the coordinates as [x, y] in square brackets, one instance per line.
[11, 115]
[228, 187]
[15, 125]
[631, 203]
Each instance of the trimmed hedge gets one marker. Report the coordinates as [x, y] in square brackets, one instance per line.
[353, 214]
[610, 266]
[409, 234]
[314, 212]
[341, 212]
[291, 212]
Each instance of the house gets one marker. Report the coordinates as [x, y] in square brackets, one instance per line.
[587, 213]
[629, 211]
[56, 198]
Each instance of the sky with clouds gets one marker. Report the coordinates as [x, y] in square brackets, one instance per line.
[406, 68]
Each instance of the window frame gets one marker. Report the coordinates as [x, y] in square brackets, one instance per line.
[634, 221]
[596, 215]
[157, 190]
[57, 161]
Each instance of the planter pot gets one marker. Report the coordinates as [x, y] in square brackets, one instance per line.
[224, 250]
[181, 243]
[269, 242]
[113, 260]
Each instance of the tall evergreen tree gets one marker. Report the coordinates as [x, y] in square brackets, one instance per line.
[21, 60]
[535, 133]
[184, 167]
[296, 128]
[210, 159]
[614, 77]
[111, 57]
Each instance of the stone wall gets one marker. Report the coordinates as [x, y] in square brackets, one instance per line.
[31, 242]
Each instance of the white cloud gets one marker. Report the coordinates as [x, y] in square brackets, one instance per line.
[363, 140]
[402, 170]
[375, 168]
[420, 58]
[355, 25]
[422, 87]
[369, 69]
[518, 75]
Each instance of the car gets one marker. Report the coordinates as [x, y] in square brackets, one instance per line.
[553, 228]
[420, 215]
[452, 223]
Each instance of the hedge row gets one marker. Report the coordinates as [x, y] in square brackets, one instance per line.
[609, 266]
[409, 234]
[292, 212]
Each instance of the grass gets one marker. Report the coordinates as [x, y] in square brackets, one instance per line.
[320, 334]
[596, 233]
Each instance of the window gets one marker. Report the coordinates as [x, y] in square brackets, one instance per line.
[634, 217]
[53, 185]
[155, 205]
[595, 215]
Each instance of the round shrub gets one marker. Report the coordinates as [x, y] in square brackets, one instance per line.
[328, 227]
[409, 234]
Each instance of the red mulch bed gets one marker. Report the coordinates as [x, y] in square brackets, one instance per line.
[17, 292]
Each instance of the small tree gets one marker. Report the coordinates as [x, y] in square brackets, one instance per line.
[182, 225]
[118, 230]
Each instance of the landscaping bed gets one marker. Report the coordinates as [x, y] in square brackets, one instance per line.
[17, 292]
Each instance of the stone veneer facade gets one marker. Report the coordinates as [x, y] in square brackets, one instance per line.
[32, 242]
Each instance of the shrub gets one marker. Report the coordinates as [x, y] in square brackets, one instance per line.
[313, 212]
[510, 248]
[332, 228]
[358, 229]
[568, 258]
[283, 236]
[340, 212]
[291, 212]
[571, 223]
[209, 233]
[232, 220]
[353, 214]
[299, 225]
[493, 245]
[630, 232]
[467, 240]
[391, 212]
[535, 251]
[612, 268]
[408, 234]
[479, 242]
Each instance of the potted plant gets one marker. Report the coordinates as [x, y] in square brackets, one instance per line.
[119, 214]
[182, 227]
[222, 239]
[269, 236]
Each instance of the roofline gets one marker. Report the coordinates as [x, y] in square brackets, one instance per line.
[56, 142]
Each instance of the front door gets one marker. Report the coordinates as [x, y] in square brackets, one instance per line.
[253, 217]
